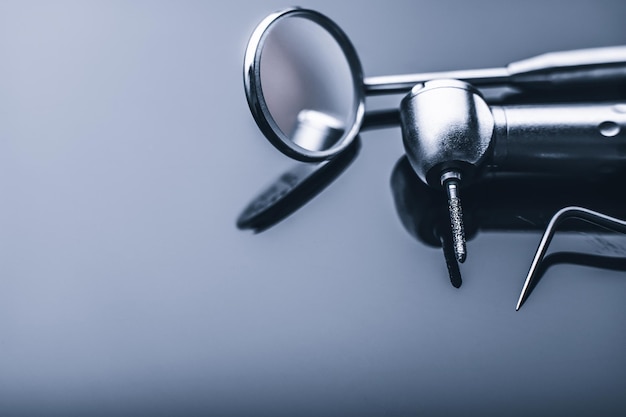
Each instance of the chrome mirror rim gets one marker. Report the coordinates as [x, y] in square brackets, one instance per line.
[258, 105]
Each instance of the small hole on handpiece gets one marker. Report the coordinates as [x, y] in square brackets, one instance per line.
[609, 129]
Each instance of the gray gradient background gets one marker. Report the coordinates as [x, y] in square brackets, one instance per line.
[127, 151]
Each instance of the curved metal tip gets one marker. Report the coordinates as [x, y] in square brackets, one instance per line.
[581, 213]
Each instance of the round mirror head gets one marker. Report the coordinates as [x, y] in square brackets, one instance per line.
[304, 84]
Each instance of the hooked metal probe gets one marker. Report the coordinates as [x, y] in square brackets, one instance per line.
[590, 216]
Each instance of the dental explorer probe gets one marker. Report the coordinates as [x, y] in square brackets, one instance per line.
[590, 216]
[543, 72]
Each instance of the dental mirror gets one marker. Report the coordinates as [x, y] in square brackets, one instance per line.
[303, 82]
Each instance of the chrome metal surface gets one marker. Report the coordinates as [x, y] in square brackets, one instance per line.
[590, 216]
[317, 131]
[565, 69]
[573, 139]
[398, 84]
[446, 125]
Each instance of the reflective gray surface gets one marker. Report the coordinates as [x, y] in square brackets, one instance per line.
[127, 151]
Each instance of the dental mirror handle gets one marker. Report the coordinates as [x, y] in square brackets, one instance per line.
[548, 71]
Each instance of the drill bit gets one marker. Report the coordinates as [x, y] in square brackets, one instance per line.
[450, 181]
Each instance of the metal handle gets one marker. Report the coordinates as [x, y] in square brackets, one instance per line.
[570, 68]
[553, 70]
[571, 139]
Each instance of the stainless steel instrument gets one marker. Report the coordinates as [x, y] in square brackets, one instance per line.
[307, 93]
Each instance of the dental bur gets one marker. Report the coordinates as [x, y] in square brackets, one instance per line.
[450, 181]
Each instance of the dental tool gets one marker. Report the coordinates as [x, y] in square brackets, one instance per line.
[590, 216]
[567, 117]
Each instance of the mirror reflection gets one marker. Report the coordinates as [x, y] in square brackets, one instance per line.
[307, 83]
[293, 189]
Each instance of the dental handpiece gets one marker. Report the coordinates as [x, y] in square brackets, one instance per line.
[449, 131]
[554, 70]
